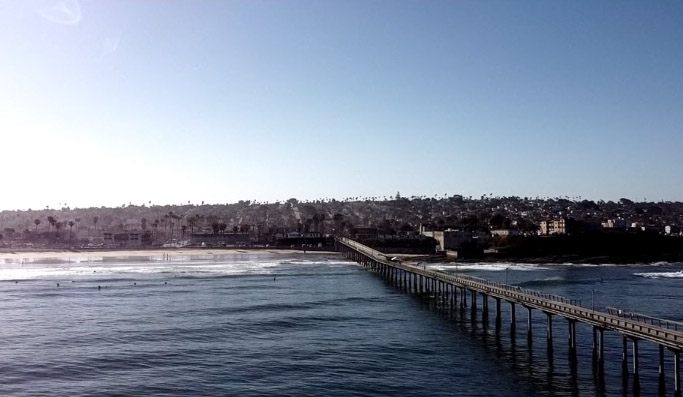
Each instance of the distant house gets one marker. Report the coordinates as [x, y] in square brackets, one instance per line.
[504, 232]
[614, 224]
[553, 227]
[672, 230]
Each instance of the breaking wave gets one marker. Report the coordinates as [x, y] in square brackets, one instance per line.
[655, 275]
[491, 267]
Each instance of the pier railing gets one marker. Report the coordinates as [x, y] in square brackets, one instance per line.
[669, 324]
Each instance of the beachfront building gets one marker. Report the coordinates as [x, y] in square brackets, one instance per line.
[123, 239]
[220, 239]
[364, 233]
[449, 240]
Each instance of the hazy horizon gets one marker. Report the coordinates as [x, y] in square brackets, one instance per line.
[106, 103]
[67, 206]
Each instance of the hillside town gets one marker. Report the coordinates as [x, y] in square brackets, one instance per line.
[453, 222]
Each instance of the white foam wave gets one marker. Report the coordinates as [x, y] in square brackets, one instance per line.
[490, 267]
[34, 271]
[678, 274]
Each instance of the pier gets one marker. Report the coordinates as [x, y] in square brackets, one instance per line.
[453, 290]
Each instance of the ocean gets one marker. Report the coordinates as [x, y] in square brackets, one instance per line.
[303, 325]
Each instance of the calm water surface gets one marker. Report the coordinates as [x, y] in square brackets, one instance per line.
[300, 325]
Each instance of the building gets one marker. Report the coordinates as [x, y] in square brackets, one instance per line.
[363, 233]
[504, 232]
[450, 240]
[123, 239]
[553, 227]
[220, 239]
[614, 224]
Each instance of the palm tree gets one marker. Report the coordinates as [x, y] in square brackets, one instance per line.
[166, 223]
[71, 227]
[37, 222]
[321, 218]
[338, 219]
[191, 222]
[51, 221]
[171, 221]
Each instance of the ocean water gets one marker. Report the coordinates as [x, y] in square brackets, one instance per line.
[303, 325]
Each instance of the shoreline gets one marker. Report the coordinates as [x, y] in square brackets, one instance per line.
[18, 255]
[579, 260]
[24, 254]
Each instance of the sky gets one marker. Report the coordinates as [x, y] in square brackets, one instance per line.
[105, 103]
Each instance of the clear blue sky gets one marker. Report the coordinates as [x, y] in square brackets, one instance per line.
[111, 102]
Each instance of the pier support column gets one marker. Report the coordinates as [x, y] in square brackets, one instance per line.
[474, 304]
[624, 360]
[601, 353]
[463, 302]
[594, 347]
[484, 308]
[498, 313]
[528, 325]
[661, 378]
[677, 374]
[598, 351]
[549, 332]
[636, 376]
[572, 339]
[513, 318]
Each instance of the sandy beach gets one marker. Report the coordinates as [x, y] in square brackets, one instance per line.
[12, 256]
